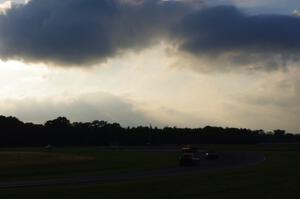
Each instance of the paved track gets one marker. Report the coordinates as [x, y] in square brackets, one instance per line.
[226, 160]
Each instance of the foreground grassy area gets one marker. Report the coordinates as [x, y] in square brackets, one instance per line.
[28, 164]
[278, 177]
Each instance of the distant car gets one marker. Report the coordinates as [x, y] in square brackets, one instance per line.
[190, 156]
[211, 155]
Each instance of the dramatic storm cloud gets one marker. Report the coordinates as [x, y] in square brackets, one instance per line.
[80, 32]
[225, 33]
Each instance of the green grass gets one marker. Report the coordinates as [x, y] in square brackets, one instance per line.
[42, 164]
[278, 177]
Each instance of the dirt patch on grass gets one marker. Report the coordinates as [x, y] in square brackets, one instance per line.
[23, 158]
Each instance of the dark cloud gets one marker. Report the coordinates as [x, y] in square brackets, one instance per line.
[81, 32]
[265, 41]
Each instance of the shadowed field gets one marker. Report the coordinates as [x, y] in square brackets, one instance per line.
[277, 177]
[30, 164]
[23, 158]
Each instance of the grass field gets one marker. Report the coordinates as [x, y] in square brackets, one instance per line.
[20, 164]
[277, 177]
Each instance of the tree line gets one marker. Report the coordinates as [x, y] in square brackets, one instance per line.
[61, 132]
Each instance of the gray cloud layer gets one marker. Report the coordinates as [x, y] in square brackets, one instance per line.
[80, 32]
[88, 107]
[269, 40]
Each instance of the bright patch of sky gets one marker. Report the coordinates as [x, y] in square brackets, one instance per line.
[154, 92]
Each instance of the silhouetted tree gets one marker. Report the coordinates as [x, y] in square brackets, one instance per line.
[58, 123]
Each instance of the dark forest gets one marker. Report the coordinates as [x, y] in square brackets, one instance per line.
[61, 132]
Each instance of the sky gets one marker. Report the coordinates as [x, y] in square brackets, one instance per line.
[192, 63]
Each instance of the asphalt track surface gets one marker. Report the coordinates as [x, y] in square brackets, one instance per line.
[227, 159]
